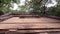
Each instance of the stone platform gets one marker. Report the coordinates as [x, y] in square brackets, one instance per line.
[41, 24]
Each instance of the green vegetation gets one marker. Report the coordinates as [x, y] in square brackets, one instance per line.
[30, 7]
[54, 11]
[6, 4]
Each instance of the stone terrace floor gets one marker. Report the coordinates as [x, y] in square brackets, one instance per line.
[42, 22]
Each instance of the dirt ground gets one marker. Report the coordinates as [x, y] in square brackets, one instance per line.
[43, 22]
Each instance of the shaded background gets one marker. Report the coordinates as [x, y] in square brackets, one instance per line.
[40, 7]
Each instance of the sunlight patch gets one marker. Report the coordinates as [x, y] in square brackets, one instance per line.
[15, 5]
[53, 3]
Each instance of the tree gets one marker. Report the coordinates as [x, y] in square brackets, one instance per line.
[35, 4]
[6, 4]
[55, 11]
